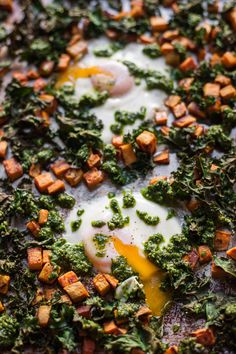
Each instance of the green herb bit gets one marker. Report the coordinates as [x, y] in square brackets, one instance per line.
[152, 50]
[171, 214]
[148, 219]
[111, 195]
[100, 241]
[117, 220]
[98, 223]
[80, 212]
[75, 225]
[128, 200]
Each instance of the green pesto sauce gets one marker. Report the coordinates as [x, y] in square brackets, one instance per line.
[148, 219]
[100, 241]
[171, 214]
[80, 212]
[117, 221]
[98, 223]
[128, 200]
[75, 225]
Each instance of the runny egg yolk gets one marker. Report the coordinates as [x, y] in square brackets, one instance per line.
[150, 275]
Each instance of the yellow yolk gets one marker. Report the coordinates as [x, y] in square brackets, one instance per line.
[150, 275]
[74, 72]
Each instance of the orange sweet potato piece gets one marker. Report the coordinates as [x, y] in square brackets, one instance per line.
[56, 187]
[43, 315]
[146, 39]
[93, 160]
[158, 24]
[110, 327]
[39, 84]
[154, 180]
[222, 240]
[186, 83]
[3, 149]
[45, 276]
[35, 258]
[111, 280]
[117, 141]
[179, 110]
[194, 109]
[13, 169]
[67, 279]
[32, 74]
[76, 291]
[204, 336]
[78, 49]
[193, 204]
[35, 170]
[163, 158]
[147, 141]
[172, 101]
[4, 283]
[228, 92]
[2, 308]
[188, 64]
[43, 181]
[93, 177]
[73, 176]
[33, 227]
[232, 253]
[64, 62]
[165, 130]
[84, 310]
[211, 89]
[232, 18]
[172, 350]
[46, 256]
[191, 258]
[205, 254]
[101, 284]
[128, 154]
[43, 216]
[89, 346]
[6, 5]
[184, 121]
[167, 48]
[170, 35]
[161, 118]
[229, 60]
[59, 168]
[143, 312]
[46, 68]
[222, 80]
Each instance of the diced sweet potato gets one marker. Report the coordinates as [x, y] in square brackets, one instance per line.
[43, 315]
[56, 187]
[211, 89]
[172, 350]
[172, 59]
[39, 84]
[215, 59]
[195, 110]
[217, 272]
[231, 16]
[191, 258]
[35, 258]
[21, 77]
[204, 336]
[59, 168]
[13, 169]
[2, 308]
[144, 311]
[188, 64]
[84, 310]
[111, 280]
[201, 54]
[46, 68]
[232, 253]
[161, 118]
[89, 346]
[43, 181]
[158, 24]
[110, 327]
[162, 158]
[172, 101]
[64, 62]
[216, 107]
[213, 7]
[46, 256]
[101, 284]
[49, 292]
[165, 130]
[199, 130]
[193, 204]
[229, 60]
[78, 49]
[3, 149]
[45, 276]
[147, 39]
[117, 141]
[179, 110]
[4, 283]
[205, 254]
[184, 121]
[170, 35]
[73, 176]
[167, 48]
[6, 5]
[222, 240]
[228, 92]
[50, 101]
[93, 160]
[67, 279]
[33, 227]
[154, 180]
[93, 177]
[147, 141]
[35, 170]
[32, 74]
[128, 154]
[186, 83]
[76, 291]
[43, 216]
[222, 80]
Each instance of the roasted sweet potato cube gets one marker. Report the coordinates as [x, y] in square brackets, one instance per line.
[232, 253]
[33, 227]
[229, 60]
[172, 59]
[46, 274]
[84, 310]
[186, 83]
[161, 118]
[184, 121]
[39, 84]
[43, 181]
[204, 336]
[147, 141]
[50, 101]
[154, 180]
[2, 308]
[46, 256]
[110, 327]
[191, 258]
[6, 5]
[111, 280]
[143, 312]
[21, 77]
[3, 149]
[78, 49]
[222, 240]
[162, 158]
[56, 187]
[158, 24]
[211, 89]
[46, 68]
[59, 168]
[32, 74]
[128, 154]
[67, 279]
[76, 291]
[205, 254]
[35, 170]
[35, 258]
[65, 299]
[13, 169]
[218, 272]
[165, 130]
[179, 110]
[228, 92]
[4, 283]
[117, 141]
[167, 48]
[93, 160]
[73, 176]
[222, 80]
[172, 350]
[101, 284]
[232, 18]
[89, 346]
[93, 177]
[188, 64]
[199, 130]
[43, 315]
[172, 101]
[170, 35]
[147, 39]
[193, 204]
[195, 110]
[49, 292]
[64, 62]
[43, 216]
